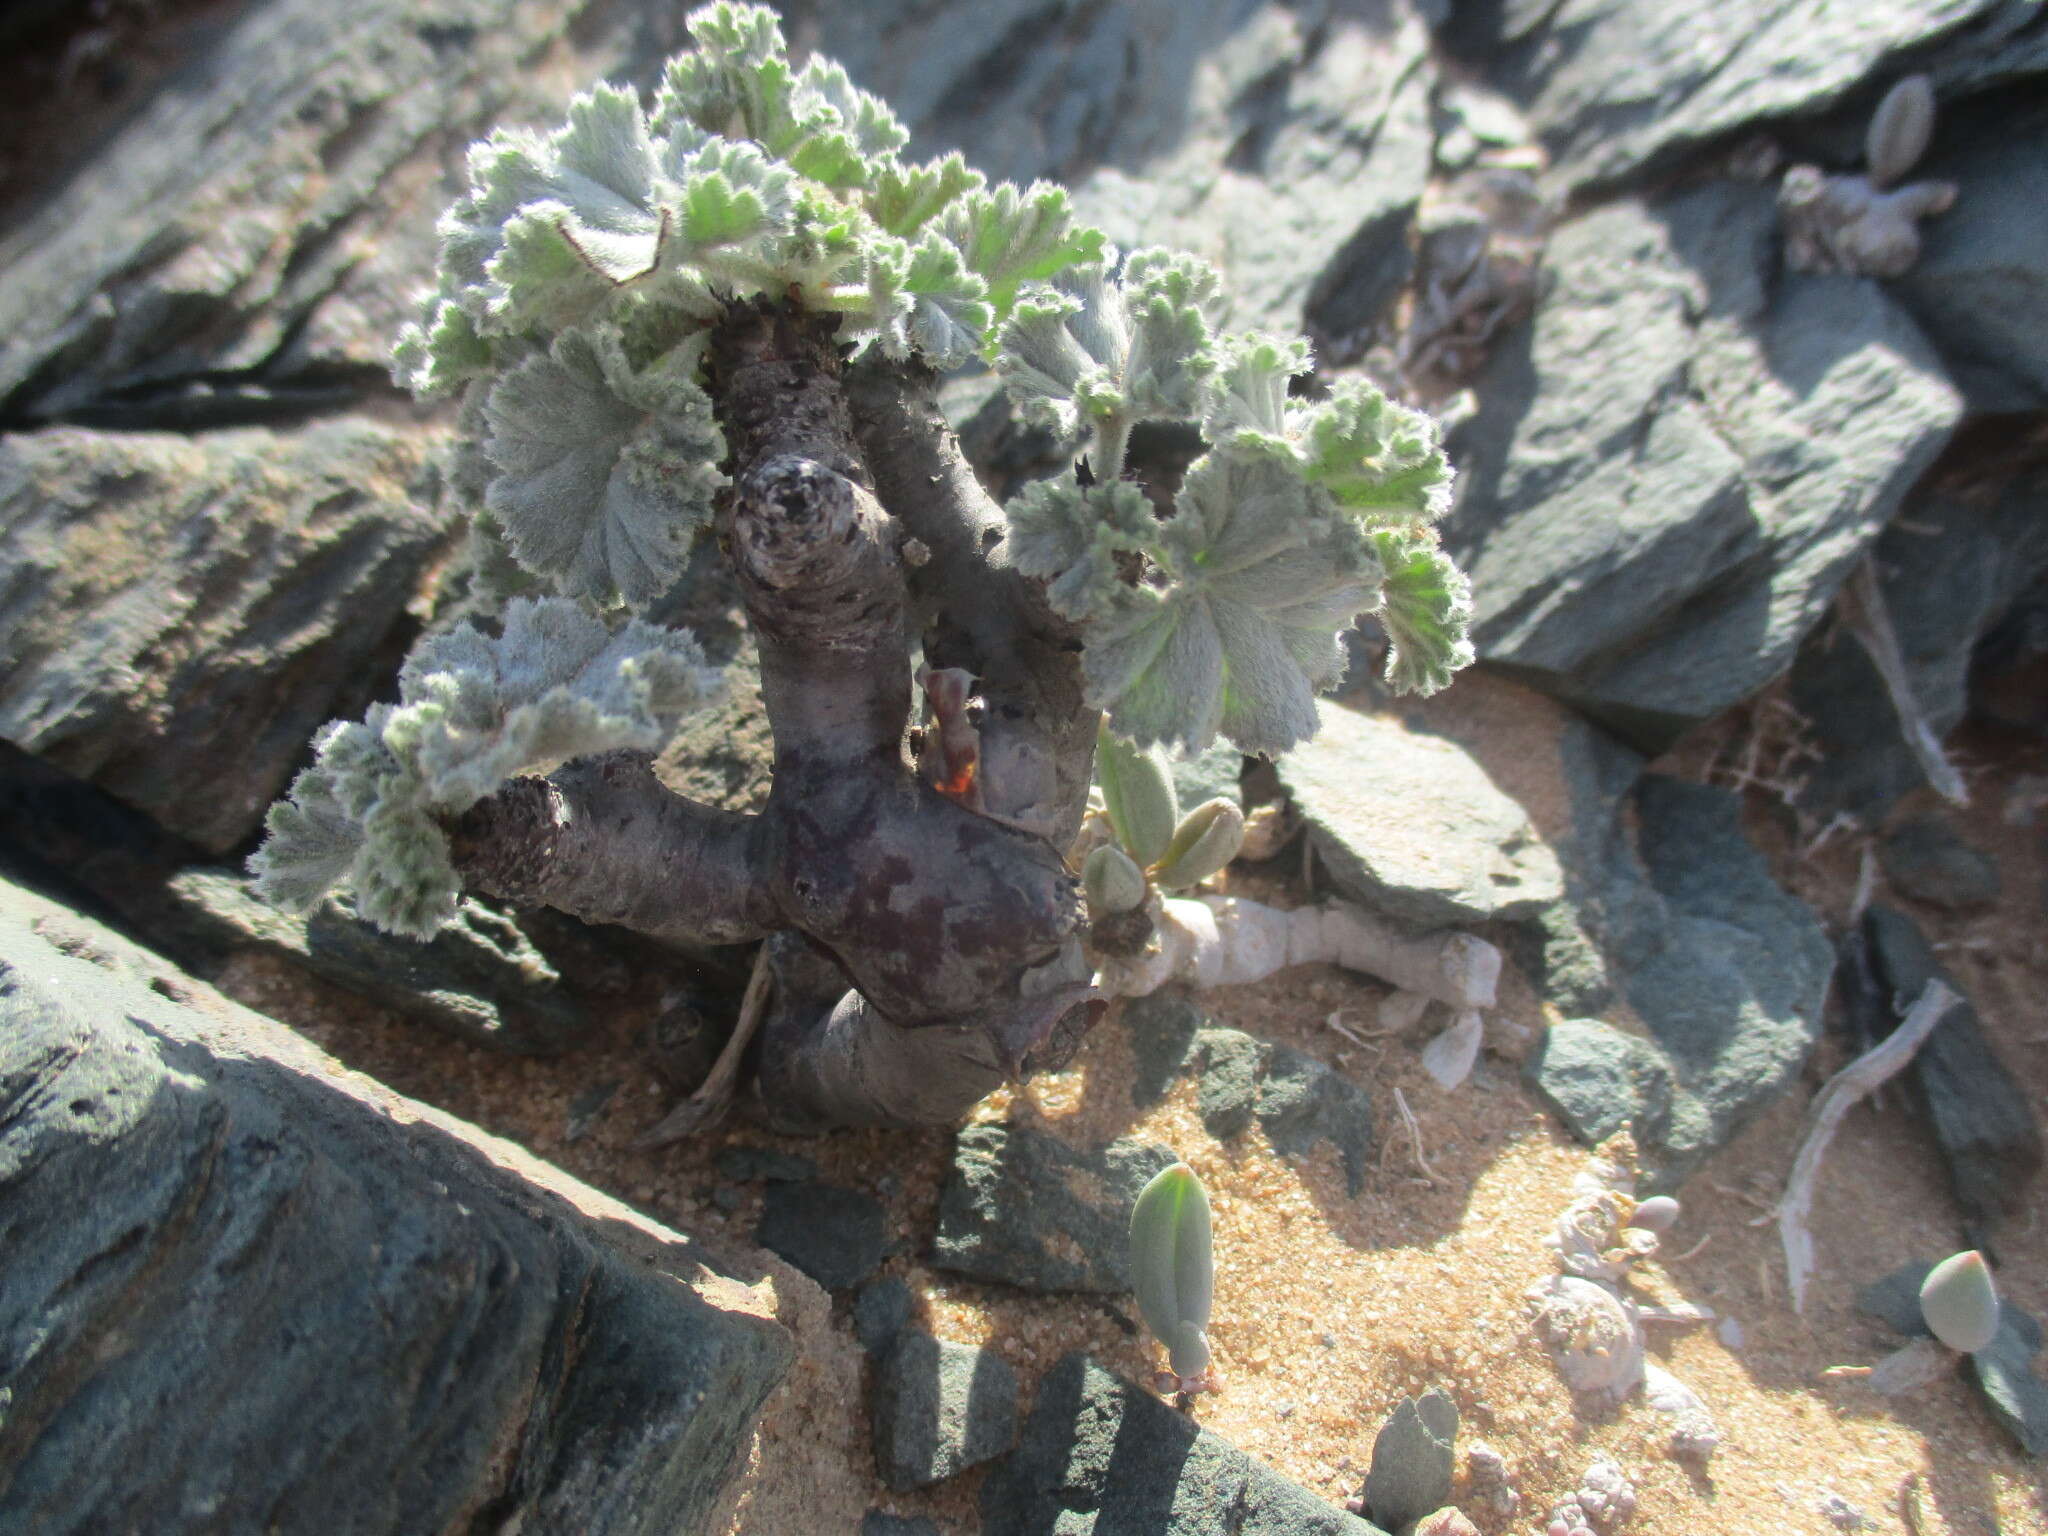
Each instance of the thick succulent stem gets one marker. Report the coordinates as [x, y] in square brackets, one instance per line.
[606, 841]
[977, 612]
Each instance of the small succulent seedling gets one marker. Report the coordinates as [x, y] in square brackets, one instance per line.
[1154, 847]
[1868, 224]
[1959, 1302]
[1175, 1276]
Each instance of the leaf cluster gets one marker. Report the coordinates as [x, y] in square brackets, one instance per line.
[474, 711]
[1224, 616]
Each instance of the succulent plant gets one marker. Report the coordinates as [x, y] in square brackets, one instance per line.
[1960, 1303]
[1175, 1274]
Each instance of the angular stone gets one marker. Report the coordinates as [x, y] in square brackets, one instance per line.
[1410, 826]
[182, 612]
[837, 1236]
[1302, 1102]
[938, 1409]
[1599, 1079]
[218, 1237]
[1100, 1457]
[1412, 1460]
[880, 1313]
[1675, 466]
[1987, 1131]
[1231, 1063]
[1024, 1208]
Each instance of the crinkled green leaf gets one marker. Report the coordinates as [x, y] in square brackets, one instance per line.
[1233, 623]
[1247, 391]
[477, 711]
[1080, 541]
[731, 194]
[312, 844]
[949, 312]
[1087, 349]
[404, 878]
[1427, 611]
[474, 711]
[1012, 237]
[737, 82]
[1167, 296]
[604, 473]
[903, 199]
[1374, 455]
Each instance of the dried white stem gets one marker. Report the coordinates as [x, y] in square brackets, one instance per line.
[1215, 941]
[1881, 1062]
[1864, 610]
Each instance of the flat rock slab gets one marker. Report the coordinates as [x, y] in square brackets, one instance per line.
[938, 1409]
[216, 1237]
[479, 979]
[1101, 1457]
[1677, 462]
[1025, 1208]
[1410, 826]
[183, 612]
[271, 210]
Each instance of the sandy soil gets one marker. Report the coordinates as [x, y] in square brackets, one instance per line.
[1329, 1309]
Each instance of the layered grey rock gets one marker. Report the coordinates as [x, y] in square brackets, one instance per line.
[265, 224]
[218, 1238]
[1287, 143]
[1675, 466]
[1616, 88]
[179, 614]
[1410, 826]
[1025, 1208]
[1100, 1457]
[938, 1409]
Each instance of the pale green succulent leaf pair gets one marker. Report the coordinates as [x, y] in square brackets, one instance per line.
[1173, 1269]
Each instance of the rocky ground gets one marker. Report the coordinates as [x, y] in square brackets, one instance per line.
[1759, 740]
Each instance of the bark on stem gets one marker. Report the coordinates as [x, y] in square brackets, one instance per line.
[606, 841]
[975, 610]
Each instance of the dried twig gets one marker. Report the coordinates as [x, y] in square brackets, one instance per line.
[1874, 1066]
[1864, 611]
[1414, 1134]
[708, 1105]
